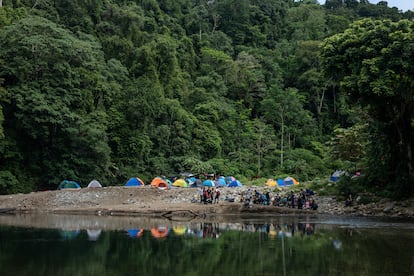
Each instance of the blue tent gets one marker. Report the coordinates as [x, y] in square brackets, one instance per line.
[235, 183]
[135, 233]
[221, 182]
[197, 183]
[66, 184]
[191, 180]
[229, 179]
[280, 182]
[288, 181]
[135, 181]
[336, 175]
[209, 183]
[69, 234]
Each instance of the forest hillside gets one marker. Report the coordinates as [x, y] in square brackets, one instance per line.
[111, 89]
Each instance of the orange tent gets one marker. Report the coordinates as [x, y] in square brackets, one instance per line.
[159, 232]
[291, 181]
[159, 183]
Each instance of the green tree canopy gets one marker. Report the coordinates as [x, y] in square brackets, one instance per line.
[57, 88]
[373, 61]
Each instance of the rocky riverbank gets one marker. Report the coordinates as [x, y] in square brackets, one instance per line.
[147, 201]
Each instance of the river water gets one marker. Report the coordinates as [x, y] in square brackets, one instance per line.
[273, 245]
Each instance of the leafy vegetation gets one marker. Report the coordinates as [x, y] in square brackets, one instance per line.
[255, 89]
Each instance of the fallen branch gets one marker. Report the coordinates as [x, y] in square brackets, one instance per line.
[7, 210]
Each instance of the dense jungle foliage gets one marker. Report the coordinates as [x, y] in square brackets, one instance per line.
[110, 89]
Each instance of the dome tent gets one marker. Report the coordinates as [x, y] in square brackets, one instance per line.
[290, 181]
[209, 183]
[271, 183]
[134, 181]
[235, 183]
[67, 184]
[180, 183]
[160, 183]
[94, 184]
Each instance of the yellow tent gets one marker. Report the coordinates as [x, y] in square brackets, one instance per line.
[179, 229]
[180, 183]
[271, 183]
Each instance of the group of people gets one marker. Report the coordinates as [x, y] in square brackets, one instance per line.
[303, 200]
[256, 197]
[209, 195]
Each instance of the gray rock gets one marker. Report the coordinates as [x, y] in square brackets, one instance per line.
[388, 207]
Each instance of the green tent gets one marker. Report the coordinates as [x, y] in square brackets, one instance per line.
[67, 184]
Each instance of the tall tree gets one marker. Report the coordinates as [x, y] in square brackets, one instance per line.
[284, 109]
[373, 61]
[57, 88]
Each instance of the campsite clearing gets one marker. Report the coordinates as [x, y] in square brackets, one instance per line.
[149, 201]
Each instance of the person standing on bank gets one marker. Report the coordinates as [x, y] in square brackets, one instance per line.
[217, 196]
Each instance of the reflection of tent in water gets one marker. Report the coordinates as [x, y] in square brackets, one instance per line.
[67, 184]
[93, 235]
[69, 234]
[179, 229]
[180, 183]
[94, 184]
[282, 234]
[159, 183]
[337, 244]
[160, 232]
[135, 233]
[134, 182]
[272, 233]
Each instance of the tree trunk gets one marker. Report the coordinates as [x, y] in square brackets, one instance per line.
[259, 154]
[216, 19]
[334, 98]
[281, 141]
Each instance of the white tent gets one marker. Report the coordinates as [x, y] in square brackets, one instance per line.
[94, 184]
[93, 235]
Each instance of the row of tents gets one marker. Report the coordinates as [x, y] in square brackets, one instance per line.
[69, 184]
[288, 181]
[163, 183]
